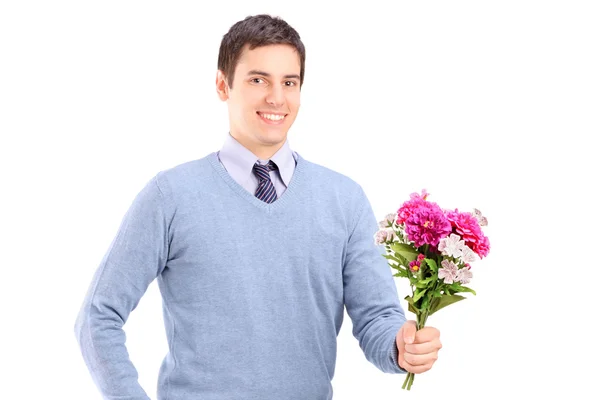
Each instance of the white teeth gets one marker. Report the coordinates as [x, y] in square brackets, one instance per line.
[273, 117]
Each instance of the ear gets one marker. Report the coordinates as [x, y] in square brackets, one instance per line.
[222, 86]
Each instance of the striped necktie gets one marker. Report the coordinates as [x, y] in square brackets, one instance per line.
[265, 190]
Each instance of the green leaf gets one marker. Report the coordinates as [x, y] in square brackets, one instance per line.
[391, 257]
[397, 267]
[425, 282]
[432, 264]
[445, 300]
[411, 307]
[418, 294]
[401, 273]
[403, 247]
[425, 302]
[405, 262]
[404, 251]
[459, 288]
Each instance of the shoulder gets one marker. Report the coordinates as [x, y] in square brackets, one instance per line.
[345, 195]
[188, 169]
[332, 179]
[336, 184]
[185, 176]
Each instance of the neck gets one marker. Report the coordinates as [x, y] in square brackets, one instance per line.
[263, 151]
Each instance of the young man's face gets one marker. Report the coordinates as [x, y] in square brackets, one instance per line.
[265, 97]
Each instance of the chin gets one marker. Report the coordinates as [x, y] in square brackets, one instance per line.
[274, 135]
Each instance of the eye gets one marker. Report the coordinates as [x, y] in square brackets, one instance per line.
[254, 80]
[291, 83]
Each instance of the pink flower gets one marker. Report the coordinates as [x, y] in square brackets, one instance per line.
[468, 256]
[464, 275]
[448, 271]
[409, 206]
[452, 246]
[427, 224]
[414, 265]
[387, 221]
[383, 235]
[467, 226]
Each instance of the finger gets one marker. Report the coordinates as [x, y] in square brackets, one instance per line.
[418, 369]
[423, 348]
[416, 360]
[409, 329]
[404, 364]
[427, 334]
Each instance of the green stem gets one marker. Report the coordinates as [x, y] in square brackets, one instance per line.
[422, 319]
[408, 381]
[410, 377]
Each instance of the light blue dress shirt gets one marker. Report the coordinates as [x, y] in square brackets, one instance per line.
[238, 161]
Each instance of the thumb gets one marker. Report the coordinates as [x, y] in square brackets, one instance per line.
[409, 329]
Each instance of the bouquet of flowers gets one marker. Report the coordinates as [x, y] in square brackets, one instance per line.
[434, 249]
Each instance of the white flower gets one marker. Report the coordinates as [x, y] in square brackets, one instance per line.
[388, 220]
[383, 235]
[452, 246]
[379, 237]
[448, 271]
[468, 255]
[480, 218]
[464, 275]
[399, 232]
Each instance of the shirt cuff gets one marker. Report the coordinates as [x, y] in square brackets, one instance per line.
[394, 357]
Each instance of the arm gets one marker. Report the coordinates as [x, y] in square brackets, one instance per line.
[135, 257]
[370, 292]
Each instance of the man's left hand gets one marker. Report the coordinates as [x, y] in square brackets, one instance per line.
[417, 350]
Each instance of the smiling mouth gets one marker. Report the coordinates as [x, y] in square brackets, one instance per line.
[271, 118]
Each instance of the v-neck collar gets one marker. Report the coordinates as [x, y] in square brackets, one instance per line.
[239, 161]
[296, 180]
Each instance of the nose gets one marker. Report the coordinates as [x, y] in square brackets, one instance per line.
[276, 96]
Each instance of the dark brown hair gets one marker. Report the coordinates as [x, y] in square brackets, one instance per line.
[258, 30]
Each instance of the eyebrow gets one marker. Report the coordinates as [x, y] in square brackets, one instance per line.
[266, 74]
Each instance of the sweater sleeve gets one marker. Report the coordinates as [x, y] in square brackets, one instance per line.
[370, 293]
[133, 260]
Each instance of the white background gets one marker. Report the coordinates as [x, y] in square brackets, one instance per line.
[493, 105]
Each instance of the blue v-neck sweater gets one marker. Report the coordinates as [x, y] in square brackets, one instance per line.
[253, 293]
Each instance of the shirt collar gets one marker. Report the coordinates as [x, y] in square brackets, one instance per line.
[240, 161]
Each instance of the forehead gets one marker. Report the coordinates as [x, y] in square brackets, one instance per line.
[276, 59]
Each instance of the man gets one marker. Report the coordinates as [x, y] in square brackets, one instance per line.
[256, 251]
